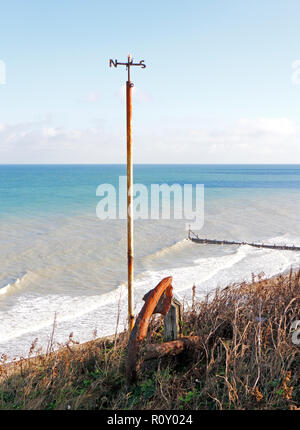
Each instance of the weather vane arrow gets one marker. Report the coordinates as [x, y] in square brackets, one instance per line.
[130, 252]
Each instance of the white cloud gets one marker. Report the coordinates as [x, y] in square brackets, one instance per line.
[260, 140]
[93, 96]
[248, 140]
[26, 143]
[138, 95]
[272, 126]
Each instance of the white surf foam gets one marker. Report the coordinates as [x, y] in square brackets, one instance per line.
[32, 316]
[15, 284]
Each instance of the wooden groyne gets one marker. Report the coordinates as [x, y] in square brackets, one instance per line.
[195, 238]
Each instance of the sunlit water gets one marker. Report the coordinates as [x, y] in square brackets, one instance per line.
[57, 257]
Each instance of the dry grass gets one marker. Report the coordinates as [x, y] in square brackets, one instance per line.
[245, 360]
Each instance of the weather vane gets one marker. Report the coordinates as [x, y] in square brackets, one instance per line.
[130, 253]
[129, 64]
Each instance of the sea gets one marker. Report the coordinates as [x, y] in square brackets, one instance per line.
[63, 271]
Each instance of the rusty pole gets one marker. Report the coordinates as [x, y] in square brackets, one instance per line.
[129, 86]
[130, 253]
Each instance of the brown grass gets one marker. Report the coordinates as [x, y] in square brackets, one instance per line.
[245, 360]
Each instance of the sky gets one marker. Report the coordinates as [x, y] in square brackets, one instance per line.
[222, 82]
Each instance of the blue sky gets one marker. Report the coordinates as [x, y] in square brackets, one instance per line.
[217, 87]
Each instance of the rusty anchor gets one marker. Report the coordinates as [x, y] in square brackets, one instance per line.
[158, 300]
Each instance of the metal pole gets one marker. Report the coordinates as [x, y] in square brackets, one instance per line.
[130, 252]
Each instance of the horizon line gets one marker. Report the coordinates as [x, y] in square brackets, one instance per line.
[150, 164]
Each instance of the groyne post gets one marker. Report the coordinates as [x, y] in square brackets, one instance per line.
[172, 321]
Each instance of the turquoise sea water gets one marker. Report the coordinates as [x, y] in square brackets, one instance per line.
[56, 256]
[70, 189]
